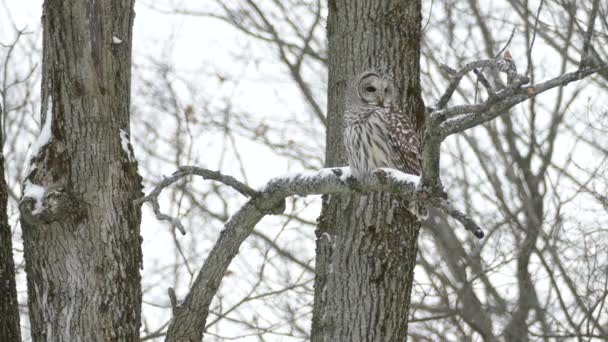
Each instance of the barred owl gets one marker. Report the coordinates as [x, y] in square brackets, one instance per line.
[376, 133]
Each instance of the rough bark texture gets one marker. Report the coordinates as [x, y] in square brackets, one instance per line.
[9, 310]
[366, 248]
[82, 238]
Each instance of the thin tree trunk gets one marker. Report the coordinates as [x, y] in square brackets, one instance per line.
[366, 246]
[80, 227]
[9, 309]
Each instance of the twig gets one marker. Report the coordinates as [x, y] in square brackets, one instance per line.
[182, 172]
[460, 118]
[461, 217]
[506, 44]
[428, 19]
[529, 67]
[172, 299]
[482, 79]
[588, 34]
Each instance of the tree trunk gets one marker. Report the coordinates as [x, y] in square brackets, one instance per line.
[9, 309]
[366, 245]
[80, 226]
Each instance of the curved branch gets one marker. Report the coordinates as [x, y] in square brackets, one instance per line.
[190, 316]
[443, 122]
[182, 172]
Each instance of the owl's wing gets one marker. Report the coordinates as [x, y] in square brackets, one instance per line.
[404, 141]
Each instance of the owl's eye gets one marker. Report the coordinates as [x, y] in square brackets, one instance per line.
[370, 89]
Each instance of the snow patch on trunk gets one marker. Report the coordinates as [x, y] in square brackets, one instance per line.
[124, 141]
[45, 133]
[35, 192]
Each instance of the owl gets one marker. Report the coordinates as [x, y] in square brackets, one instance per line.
[376, 133]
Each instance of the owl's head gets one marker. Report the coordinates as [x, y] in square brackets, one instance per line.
[371, 88]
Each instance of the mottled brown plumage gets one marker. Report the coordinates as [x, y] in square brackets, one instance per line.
[376, 133]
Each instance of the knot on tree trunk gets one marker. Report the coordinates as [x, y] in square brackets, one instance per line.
[41, 205]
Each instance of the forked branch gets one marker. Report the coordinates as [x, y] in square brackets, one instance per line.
[444, 121]
[190, 316]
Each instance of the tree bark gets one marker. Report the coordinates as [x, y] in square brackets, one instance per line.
[80, 227]
[366, 245]
[9, 308]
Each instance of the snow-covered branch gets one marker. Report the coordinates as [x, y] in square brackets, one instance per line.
[189, 317]
[267, 201]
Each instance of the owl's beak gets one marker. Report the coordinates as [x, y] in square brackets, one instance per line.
[380, 100]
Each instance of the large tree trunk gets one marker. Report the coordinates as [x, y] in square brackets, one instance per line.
[366, 247]
[80, 226]
[9, 310]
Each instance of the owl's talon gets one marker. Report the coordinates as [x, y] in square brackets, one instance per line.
[351, 181]
[380, 173]
[337, 172]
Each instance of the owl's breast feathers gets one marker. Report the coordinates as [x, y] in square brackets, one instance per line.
[381, 137]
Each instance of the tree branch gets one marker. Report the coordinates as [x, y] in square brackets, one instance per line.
[190, 316]
[459, 118]
[585, 60]
[182, 172]
[443, 122]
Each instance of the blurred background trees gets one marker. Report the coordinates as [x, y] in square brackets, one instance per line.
[249, 99]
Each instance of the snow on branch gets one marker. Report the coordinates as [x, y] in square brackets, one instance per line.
[443, 121]
[192, 312]
[459, 118]
[500, 64]
[189, 316]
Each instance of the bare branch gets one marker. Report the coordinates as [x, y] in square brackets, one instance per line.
[460, 118]
[172, 299]
[529, 68]
[461, 217]
[434, 134]
[589, 34]
[184, 171]
[500, 64]
[444, 122]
